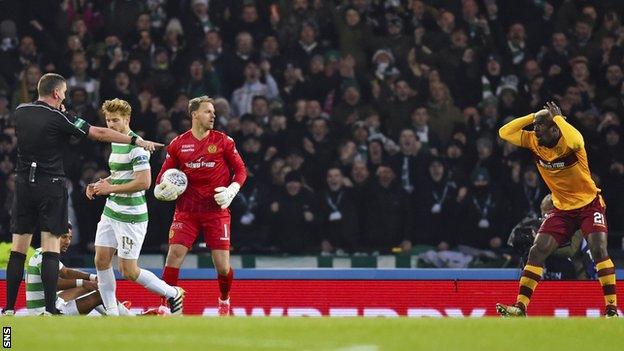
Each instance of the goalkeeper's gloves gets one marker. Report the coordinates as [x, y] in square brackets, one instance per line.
[165, 192]
[224, 196]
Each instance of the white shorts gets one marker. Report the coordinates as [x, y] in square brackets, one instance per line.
[127, 238]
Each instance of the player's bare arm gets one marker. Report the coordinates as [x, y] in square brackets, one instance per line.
[69, 273]
[109, 135]
[142, 181]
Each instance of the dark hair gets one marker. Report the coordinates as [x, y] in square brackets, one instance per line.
[259, 97]
[48, 83]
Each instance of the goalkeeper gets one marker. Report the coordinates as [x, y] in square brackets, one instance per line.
[206, 156]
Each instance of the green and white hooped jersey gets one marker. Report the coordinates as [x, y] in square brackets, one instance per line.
[124, 160]
[35, 298]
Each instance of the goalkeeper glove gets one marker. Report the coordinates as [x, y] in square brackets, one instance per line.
[224, 196]
[165, 192]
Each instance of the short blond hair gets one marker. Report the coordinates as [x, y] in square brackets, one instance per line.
[119, 106]
[194, 103]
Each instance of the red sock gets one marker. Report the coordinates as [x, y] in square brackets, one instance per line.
[225, 283]
[170, 276]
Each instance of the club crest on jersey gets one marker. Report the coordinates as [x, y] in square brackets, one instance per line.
[212, 148]
[171, 233]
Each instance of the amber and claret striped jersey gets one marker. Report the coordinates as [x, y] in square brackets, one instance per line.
[563, 167]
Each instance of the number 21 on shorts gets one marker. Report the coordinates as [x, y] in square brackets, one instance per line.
[599, 218]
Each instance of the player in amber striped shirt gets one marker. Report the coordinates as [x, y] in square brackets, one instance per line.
[559, 152]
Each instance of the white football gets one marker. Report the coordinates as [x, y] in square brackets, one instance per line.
[176, 179]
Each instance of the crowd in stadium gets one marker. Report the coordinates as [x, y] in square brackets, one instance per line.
[365, 125]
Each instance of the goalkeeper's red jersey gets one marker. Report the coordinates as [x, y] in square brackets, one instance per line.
[208, 164]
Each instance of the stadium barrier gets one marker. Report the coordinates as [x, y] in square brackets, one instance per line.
[371, 293]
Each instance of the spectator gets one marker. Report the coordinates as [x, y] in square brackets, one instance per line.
[338, 216]
[388, 220]
[80, 78]
[435, 203]
[243, 96]
[293, 217]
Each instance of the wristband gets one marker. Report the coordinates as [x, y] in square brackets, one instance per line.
[78, 282]
[92, 277]
[133, 140]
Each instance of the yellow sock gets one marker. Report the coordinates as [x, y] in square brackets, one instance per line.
[531, 275]
[606, 275]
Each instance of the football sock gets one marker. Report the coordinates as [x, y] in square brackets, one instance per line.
[49, 278]
[531, 275]
[225, 283]
[152, 283]
[14, 276]
[606, 275]
[107, 286]
[170, 275]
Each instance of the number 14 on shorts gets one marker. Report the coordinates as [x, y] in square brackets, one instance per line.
[126, 243]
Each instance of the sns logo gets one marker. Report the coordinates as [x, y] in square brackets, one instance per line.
[6, 337]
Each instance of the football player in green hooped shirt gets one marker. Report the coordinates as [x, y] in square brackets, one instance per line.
[77, 290]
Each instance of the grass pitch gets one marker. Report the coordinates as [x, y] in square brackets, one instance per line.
[336, 334]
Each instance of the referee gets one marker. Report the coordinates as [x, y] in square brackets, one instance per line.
[43, 131]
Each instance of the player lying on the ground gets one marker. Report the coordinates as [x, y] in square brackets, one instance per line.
[123, 224]
[571, 260]
[77, 290]
[559, 152]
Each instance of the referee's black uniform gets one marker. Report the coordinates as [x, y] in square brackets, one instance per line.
[43, 132]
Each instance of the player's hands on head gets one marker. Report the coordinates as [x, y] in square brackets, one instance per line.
[553, 109]
[224, 196]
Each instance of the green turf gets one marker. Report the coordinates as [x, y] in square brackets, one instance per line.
[344, 334]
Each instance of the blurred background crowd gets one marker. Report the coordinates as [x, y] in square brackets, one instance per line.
[366, 125]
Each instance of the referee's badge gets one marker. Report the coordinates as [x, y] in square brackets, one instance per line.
[212, 148]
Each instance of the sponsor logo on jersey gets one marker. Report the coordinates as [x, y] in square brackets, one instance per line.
[212, 148]
[560, 163]
[200, 164]
[187, 148]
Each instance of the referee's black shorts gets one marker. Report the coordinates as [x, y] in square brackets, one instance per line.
[42, 203]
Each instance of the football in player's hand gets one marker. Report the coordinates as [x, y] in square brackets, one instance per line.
[172, 184]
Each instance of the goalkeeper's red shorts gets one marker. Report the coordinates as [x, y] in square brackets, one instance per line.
[186, 226]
